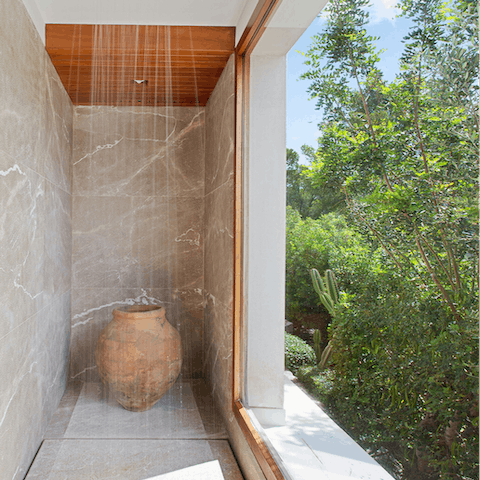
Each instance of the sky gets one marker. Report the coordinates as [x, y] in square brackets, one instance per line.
[302, 117]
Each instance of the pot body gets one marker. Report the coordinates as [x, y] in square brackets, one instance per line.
[139, 356]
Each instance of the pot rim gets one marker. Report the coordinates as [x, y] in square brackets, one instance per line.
[139, 311]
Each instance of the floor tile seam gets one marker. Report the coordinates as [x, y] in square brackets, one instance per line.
[116, 439]
[166, 197]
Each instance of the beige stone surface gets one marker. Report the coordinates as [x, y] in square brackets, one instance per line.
[220, 132]
[133, 459]
[138, 218]
[220, 123]
[219, 233]
[104, 441]
[36, 118]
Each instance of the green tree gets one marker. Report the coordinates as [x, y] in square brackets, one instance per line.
[405, 156]
[406, 161]
[325, 243]
[306, 197]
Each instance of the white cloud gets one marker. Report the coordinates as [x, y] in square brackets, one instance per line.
[380, 10]
[384, 9]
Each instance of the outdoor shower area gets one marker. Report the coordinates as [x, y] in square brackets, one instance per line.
[117, 157]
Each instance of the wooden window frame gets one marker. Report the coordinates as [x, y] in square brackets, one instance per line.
[253, 31]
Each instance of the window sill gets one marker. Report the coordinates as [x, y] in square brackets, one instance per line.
[312, 446]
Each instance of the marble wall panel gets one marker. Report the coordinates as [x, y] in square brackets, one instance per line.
[20, 400]
[125, 151]
[219, 237]
[218, 290]
[138, 208]
[153, 242]
[57, 130]
[220, 131]
[22, 87]
[35, 357]
[22, 228]
[180, 168]
[218, 351]
[36, 118]
[52, 352]
[58, 243]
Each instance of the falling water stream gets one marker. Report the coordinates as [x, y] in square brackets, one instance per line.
[134, 127]
[105, 183]
[132, 99]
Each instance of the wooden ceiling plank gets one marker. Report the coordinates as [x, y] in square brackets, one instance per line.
[112, 56]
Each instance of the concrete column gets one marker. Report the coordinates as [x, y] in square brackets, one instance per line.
[265, 181]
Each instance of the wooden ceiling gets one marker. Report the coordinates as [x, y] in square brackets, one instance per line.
[179, 66]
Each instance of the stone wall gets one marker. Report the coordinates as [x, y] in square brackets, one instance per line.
[219, 230]
[219, 258]
[35, 237]
[138, 206]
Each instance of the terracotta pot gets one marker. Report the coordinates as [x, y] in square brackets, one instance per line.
[139, 356]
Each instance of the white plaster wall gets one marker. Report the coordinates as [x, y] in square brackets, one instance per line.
[265, 238]
[287, 25]
[36, 16]
[264, 209]
[247, 11]
[147, 12]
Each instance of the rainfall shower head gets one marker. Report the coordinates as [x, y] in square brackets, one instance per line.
[140, 82]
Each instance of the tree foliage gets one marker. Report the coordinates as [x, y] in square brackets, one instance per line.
[325, 243]
[404, 154]
[303, 195]
[406, 161]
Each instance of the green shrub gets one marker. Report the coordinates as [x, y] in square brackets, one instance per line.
[319, 382]
[325, 243]
[406, 377]
[297, 353]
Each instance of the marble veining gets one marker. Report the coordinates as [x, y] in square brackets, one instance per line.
[138, 210]
[101, 207]
[36, 118]
[218, 262]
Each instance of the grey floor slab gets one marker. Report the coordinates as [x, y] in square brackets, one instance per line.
[204, 471]
[98, 415]
[122, 459]
[91, 437]
[84, 393]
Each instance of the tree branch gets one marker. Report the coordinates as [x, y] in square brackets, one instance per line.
[445, 295]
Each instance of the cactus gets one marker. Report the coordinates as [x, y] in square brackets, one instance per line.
[328, 294]
[326, 289]
[325, 356]
[322, 355]
[317, 344]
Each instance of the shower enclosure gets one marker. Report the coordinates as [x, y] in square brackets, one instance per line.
[124, 193]
[152, 168]
[133, 168]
